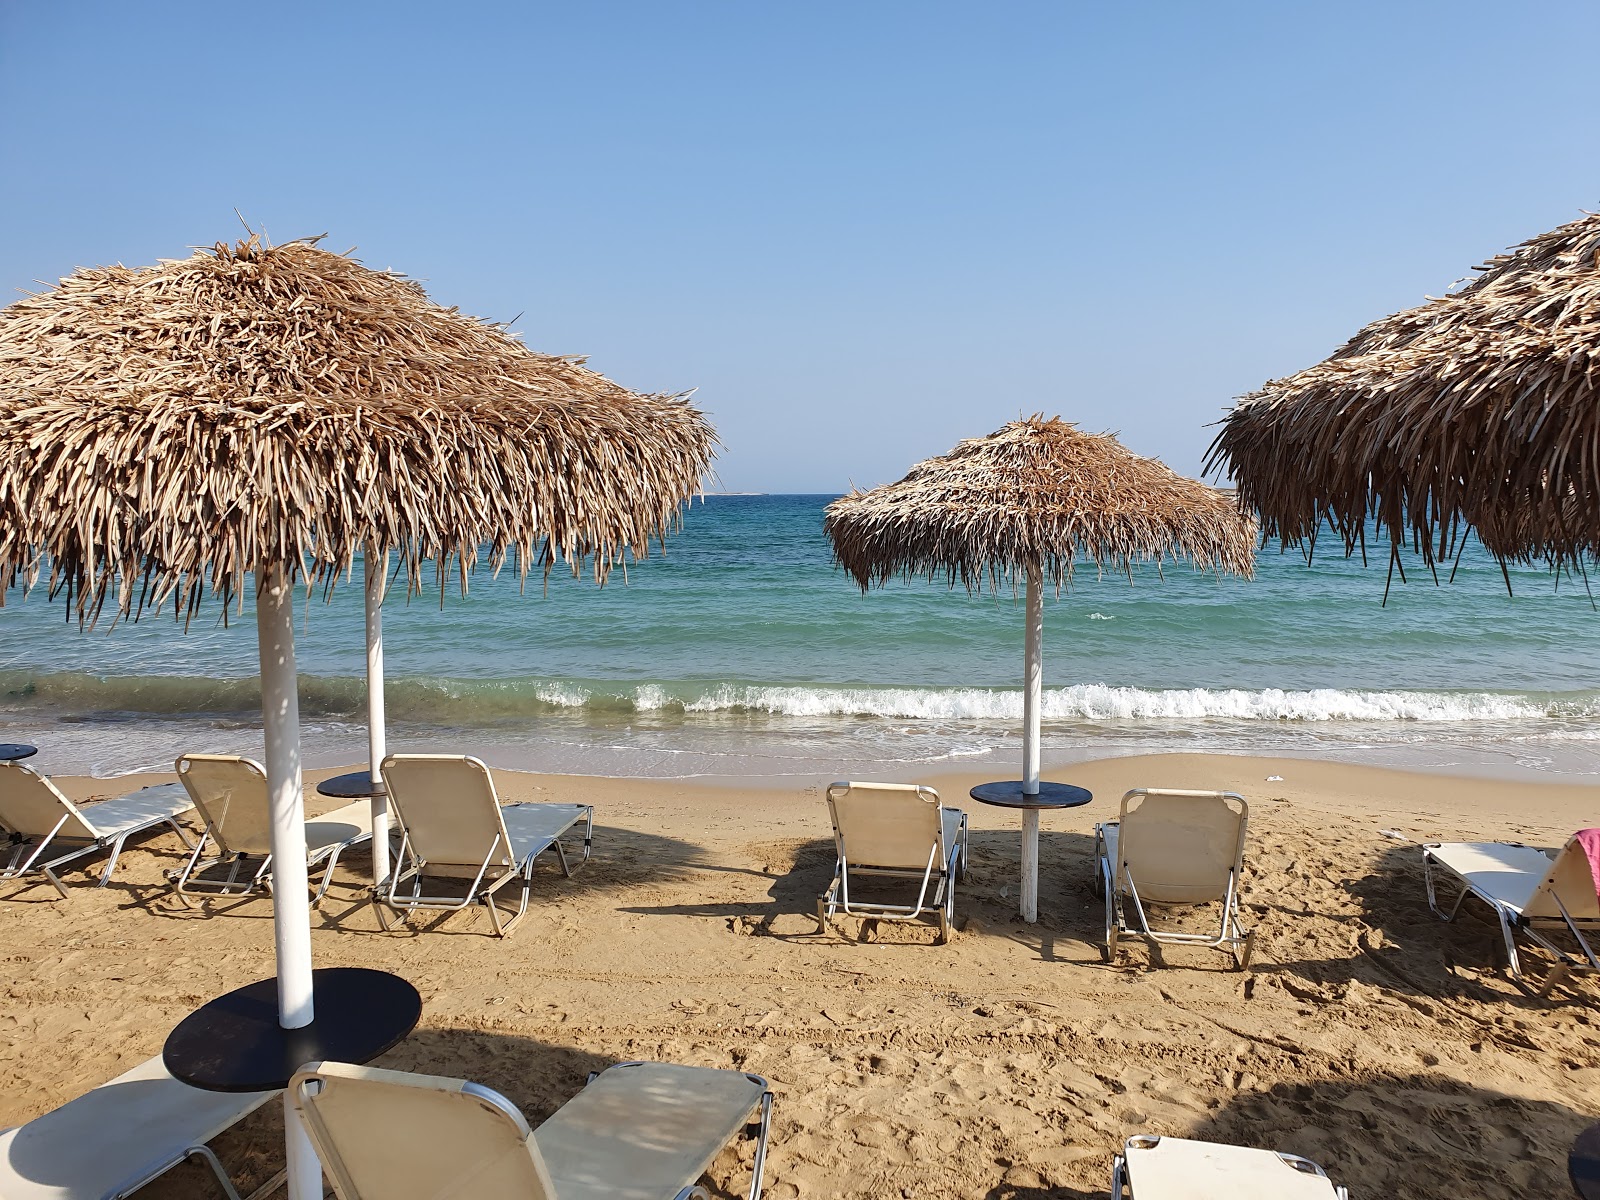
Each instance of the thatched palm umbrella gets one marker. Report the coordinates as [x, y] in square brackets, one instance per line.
[1481, 408]
[169, 432]
[1033, 498]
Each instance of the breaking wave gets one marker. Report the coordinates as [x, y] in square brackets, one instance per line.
[464, 702]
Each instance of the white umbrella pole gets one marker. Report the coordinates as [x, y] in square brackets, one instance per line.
[1033, 694]
[291, 903]
[376, 568]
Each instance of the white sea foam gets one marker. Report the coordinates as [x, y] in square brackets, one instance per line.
[1100, 702]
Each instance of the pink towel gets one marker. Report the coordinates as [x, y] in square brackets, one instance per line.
[1589, 839]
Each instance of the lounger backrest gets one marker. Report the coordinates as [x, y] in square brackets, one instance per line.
[448, 806]
[230, 793]
[1180, 846]
[1569, 879]
[391, 1135]
[886, 824]
[32, 806]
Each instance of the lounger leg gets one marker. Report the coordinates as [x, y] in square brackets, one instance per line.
[1433, 902]
[828, 902]
[1113, 916]
[111, 863]
[201, 1152]
[759, 1165]
[183, 834]
[1512, 958]
[1119, 1171]
[204, 1152]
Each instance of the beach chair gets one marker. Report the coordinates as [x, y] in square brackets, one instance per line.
[112, 1141]
[901, 831]
[35, 818]
[455, 828]
[638, 1131]
[1174, 847]
[1530, 892]
[230, 793]
[1167, 1168]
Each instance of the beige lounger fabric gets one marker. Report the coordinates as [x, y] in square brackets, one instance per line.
[1527, 890]
[1525, 879]
[898, 830]
[31, 805]
[640, 1131]
[230, 793]
[1179, 848]
[115, 1135]
[392, 1135]
[1176, 1169]
[44, 830]
[453, 827]
[644, 1132]
[1171, 846]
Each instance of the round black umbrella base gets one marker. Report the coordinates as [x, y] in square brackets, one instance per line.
[235, 1044]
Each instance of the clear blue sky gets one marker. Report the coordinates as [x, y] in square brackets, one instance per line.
[862, 230]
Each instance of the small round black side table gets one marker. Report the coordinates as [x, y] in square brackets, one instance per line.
[1009, 794]
[1583, 1164]
[11, 751]
[235, 1044]
[356, 785]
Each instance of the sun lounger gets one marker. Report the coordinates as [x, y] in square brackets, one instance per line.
[110, 1142]
[454, 827]
[1174, 847]
[1529, 891]
[230, 793]
[638, 1131]
[35, 817]
[897, 830]
[1166, 1168]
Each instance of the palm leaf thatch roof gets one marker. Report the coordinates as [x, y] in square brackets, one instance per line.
[1035, 492]
[1478, 408]
[170, 428]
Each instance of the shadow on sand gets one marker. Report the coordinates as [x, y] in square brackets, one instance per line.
[1416, 1136]
[1405, 948]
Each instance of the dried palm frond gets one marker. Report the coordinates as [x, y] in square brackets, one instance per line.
[1480, 408]
[1035, 492]
[168, 429]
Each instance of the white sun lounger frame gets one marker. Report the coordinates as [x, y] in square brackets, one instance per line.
[1237, 1172]
[515, 850]
[99, 825]
[1116, 878]
[103, 1145]
[1512, 914]
[946, 861]
[569, 1148]
[327, 837]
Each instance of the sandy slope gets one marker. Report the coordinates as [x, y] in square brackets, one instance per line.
[1010, 1063]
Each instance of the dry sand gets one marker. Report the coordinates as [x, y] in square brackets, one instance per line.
[1010, 1063]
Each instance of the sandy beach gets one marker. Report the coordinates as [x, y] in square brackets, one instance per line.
[1009, 1064]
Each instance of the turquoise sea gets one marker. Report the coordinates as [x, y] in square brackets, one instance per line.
[742, 649]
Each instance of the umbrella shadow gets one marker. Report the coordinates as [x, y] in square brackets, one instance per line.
[985, 904]
[1401, 946]
[790, 909]
[1071, 921]
[1414, 1135]
[538, 1077]
[621, 859]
